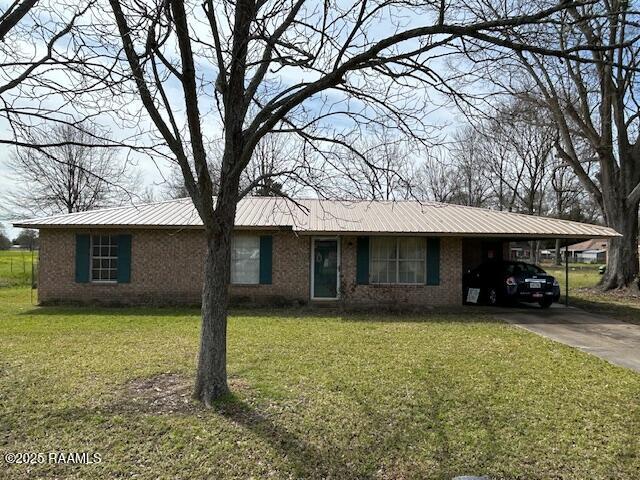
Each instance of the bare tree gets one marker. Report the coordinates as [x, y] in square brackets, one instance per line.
[281, 165]
[296, 66]
[380, 166]
[173, 185]
[69, 177]
[277, 168]
[435, 178]
[592, 97]
[37, 61]
[470, 169]
[5, 243]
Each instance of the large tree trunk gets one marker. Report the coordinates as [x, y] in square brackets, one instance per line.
[211, 377]
[622, 257]
[558, 253]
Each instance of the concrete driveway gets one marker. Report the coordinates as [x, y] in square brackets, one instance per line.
[615, 341]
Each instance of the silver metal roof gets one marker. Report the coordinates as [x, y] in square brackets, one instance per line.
[313, 216]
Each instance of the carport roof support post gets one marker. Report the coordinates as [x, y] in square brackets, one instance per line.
[566, 273]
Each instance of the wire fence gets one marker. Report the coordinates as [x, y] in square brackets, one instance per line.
[19, 268]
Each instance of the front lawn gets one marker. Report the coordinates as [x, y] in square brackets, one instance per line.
[315, 396]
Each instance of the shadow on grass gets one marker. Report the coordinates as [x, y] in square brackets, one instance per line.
[364, 461]
[302, 457]
[305, 459]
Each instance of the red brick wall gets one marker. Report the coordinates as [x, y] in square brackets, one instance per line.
[449, 292]
[167, 268]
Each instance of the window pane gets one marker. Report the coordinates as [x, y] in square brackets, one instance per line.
[412, 248]
[245, 259]
[398, 260]
[104, 263]
[382, 268]
[382, 271]
[412, 271]
[383, 248]
[378, 272]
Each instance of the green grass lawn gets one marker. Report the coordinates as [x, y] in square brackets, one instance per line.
[15, 267]
[581, 275]
[582, 280]
[315, 396]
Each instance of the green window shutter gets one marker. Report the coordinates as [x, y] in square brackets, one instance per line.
[266, 258]
[433, 261]
[124, 258]
[362, 261]
[83, 257]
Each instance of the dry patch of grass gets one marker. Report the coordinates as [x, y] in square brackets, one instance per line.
[163, 393]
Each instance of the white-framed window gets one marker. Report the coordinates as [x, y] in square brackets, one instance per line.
[400, 260]
[104, 258]
[245, 259]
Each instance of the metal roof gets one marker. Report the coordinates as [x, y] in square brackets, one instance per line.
[588, 245]
[314, 216]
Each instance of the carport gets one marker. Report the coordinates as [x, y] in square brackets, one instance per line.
[477, 250]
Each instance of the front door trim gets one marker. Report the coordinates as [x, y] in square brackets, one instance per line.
[312, 264]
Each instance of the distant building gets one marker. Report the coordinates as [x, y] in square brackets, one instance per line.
[589, 251]
[520, 251]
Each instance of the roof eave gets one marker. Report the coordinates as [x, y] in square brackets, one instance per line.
[528, 236]
[141, 227]
[502, 235]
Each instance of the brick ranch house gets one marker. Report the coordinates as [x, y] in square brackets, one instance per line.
[356, 252]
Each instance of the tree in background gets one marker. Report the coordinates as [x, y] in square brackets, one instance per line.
[27, 238]
[380, 166]
[468, 157]
[5, 243]
[281, 166]
[75, 175]
[435, 177]
[591, 96]
[277, 168]
[173, 186]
